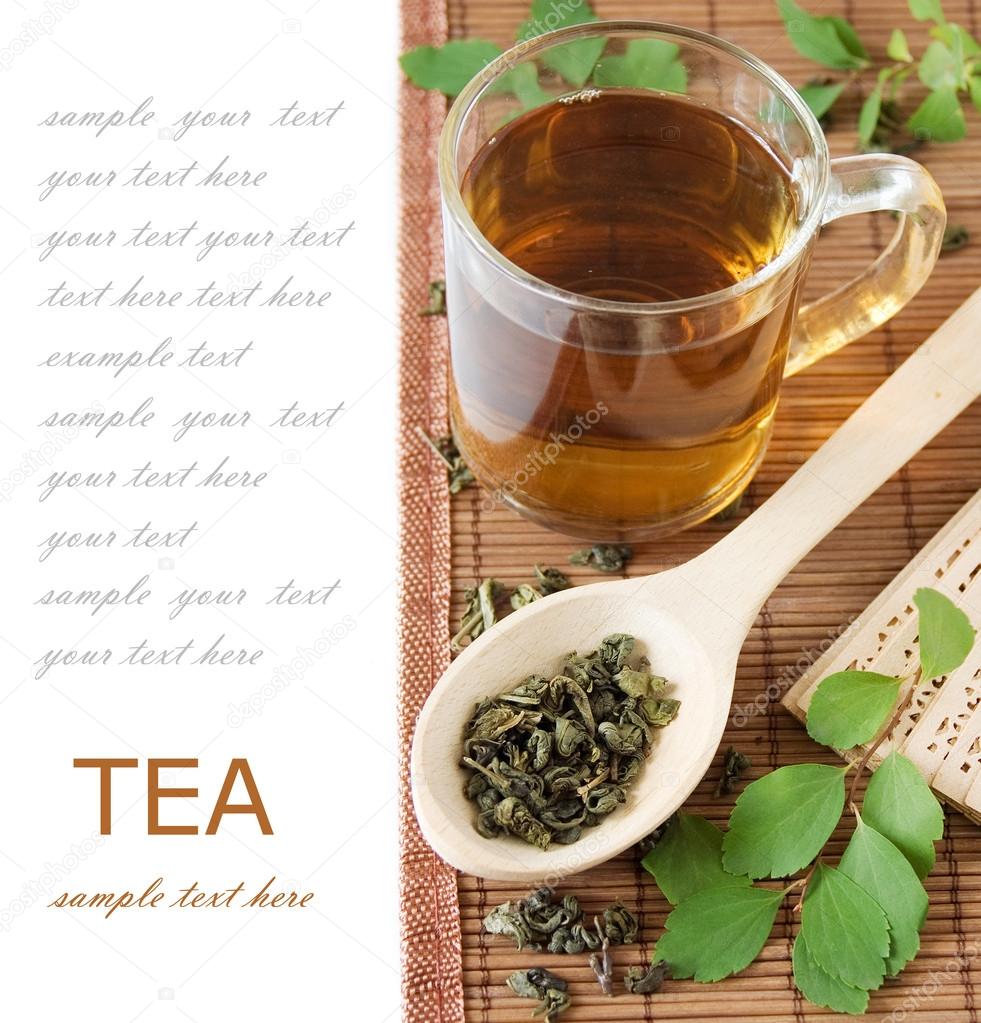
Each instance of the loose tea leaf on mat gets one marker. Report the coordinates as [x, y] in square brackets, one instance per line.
[541, 921]
[603, 557]
[646, 982]
[437, 300]
[733, 765]
[956, 236]
[550, 990]
[481, 611]
[553, 757]
[458, 473]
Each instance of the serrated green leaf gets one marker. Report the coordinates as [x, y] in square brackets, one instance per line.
[688, 859]
[898, 47]
[646, 64]
[450, 67]
[781, 822]
[845, 930]
[717, 932]
[939, 118]
[926, 10]
[821, 98]
[573, 61]
[522, 80]
[939, 67]
[849, 707]
[946, 635]
[974, 86]
[827, 39]
[819, 987]
[877, 866]
[899, 805]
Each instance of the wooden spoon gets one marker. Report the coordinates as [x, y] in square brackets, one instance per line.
[690, 621]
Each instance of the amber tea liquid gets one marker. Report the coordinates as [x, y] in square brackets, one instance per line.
[600, 422]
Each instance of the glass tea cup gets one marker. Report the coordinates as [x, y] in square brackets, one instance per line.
[586, 409]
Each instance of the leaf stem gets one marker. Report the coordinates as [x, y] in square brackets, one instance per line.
[884, 734]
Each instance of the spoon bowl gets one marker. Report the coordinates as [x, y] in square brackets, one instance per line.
[690, 621]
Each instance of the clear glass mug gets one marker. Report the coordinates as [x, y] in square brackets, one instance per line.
[611, 419]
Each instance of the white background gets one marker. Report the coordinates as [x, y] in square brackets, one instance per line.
[321, 745]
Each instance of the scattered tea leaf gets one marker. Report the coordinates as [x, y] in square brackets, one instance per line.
[733, 765]
[480, 613]
[821, 988]
[827, 39]
[717, 931]
[821, 96]
[956, 236]
[782, 820]
[645, 64]
[543, 921]
[638, 981]
[437, 300]
[900, 806]
[458, 474]
[850, 707]
[946, 634]
[524, 594]
[877, 866]
[448, 68]
[573, 61]
[939, 118]
[844, 928]
[550, 580]
[603, 557]
[551, 991]
[688, 859]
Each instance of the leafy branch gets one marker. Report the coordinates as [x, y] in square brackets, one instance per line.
[860, 921]
[950, 68]
[644, 64]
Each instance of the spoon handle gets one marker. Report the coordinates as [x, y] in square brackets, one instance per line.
[937, 382]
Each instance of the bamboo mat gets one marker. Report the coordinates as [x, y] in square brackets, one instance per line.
[802, 618]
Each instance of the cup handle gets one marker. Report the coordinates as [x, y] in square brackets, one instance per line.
[864, 184]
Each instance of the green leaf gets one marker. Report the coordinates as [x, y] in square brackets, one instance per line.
[821, 98]
[829, 40]
[849, 707]
[573, 61]
[898, 47]
[974, 85]
[717, 932]
[781, 822]
[940, 67]
[522, 80]
[946, 635]
[927, 10]
[939, 118]
[450, 67]
[899, 805]
[646, 64]
[877, 866]
[845, 930]
[688, 859]
[821, 988]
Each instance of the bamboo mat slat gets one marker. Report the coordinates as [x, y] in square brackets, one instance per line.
[809, 610]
